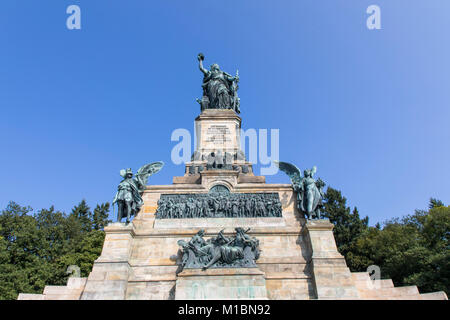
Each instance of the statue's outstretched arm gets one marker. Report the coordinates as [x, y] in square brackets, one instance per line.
[200, 66]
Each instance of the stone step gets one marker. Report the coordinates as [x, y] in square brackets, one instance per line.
[360, 276]
[364, 285]
[64, 290]
[54, 290]
[62, 296]
[413, 297]
[402, 291]
[384, 283]
[382, 288]
[30, 296]
[407, 292]
[76, 283]
[439, 295]
[391, 292]
[373, 284]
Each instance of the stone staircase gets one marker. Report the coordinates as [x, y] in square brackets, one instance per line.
[384, 289]
[71, 291]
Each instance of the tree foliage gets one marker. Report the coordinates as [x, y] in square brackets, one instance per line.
[37, 248]
[413, 250]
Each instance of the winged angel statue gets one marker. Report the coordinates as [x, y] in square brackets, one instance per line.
[309, 191]
[128, 197]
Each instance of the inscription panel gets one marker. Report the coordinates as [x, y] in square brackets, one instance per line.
[218, 134]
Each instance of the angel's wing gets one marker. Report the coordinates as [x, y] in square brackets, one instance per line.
[291, 170]
[122, 173]
[313, 171]
[146, 171]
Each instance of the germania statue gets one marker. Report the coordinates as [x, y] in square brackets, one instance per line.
[309, 191]
[219, 88]
[128, 197]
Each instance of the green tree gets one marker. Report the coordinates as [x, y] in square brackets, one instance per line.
[36, 249]
[82, 213]
[101, 216]
[413, 250]
[83, 254]
[435, 203]
[22, 268]
[434, 234]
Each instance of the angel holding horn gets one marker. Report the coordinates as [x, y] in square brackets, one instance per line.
[309, 191]
[128, 197]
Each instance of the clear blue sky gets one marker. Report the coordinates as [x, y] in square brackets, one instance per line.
[370, 108]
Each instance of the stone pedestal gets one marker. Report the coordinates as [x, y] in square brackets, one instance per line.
[298, 260]
[217, 129]
[331, 277]
[221, 284]
[109, 277]
[218, 156]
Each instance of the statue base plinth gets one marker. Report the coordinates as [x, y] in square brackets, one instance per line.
[218, 129]
[221, 284]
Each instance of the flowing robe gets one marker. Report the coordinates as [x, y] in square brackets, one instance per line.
[128, 191]
[308, 195]
[216, 86]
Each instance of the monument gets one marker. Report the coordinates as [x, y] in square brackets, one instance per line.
[219, 231]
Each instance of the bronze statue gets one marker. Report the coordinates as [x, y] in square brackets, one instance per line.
[128, 197]
[220, 252]
[309, 191]
[219, 88]
[217, 204]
